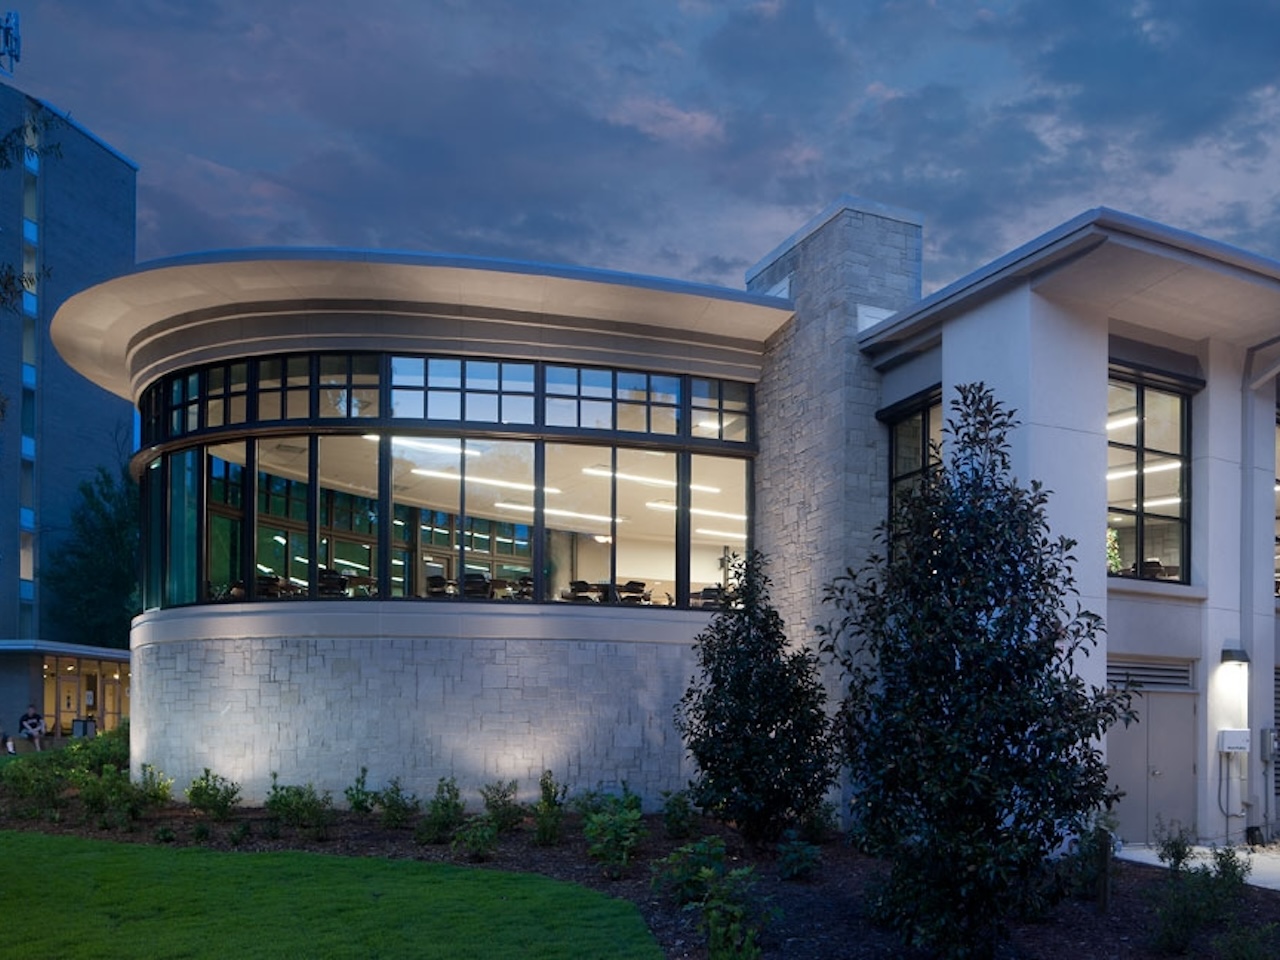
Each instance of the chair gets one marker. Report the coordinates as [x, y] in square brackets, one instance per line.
[524, 590]
[633, 592]
[475, 586]
[437, 586]
[499, 590]
[332, 584]
[580, 592]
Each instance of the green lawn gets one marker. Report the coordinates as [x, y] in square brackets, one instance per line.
[67, 898]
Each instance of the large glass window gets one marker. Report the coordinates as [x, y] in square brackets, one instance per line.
[915, 440]
[491, 488]
[1147, 481]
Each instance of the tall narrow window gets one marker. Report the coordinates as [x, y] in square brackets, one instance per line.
[1147, 482]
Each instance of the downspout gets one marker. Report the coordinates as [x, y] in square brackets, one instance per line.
[1251, 382]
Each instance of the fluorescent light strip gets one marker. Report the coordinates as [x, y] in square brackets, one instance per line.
[552, 512]
[484, 481]
[433, 446]
[720, 533]
[351, 563]
[1121, 422]
[671, 507]
[1163, 467]
[650, 481]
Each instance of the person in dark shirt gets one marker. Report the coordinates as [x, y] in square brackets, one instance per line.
[31, 726]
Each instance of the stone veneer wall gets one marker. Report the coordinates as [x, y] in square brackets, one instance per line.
[315, 691]
[821, 479]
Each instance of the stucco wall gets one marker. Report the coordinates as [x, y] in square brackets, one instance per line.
[315, 691]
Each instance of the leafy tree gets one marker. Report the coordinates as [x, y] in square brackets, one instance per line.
[93, 573]
[755, 722]
[972, 743]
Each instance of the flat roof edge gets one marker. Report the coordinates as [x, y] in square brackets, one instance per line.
[56, 646]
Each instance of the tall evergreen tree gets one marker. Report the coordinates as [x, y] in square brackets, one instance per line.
[93, 573]
[972, 742]
[755, 722]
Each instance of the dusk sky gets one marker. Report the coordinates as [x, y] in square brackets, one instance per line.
[683, 138]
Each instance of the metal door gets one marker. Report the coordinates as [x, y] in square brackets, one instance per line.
[1153, 762]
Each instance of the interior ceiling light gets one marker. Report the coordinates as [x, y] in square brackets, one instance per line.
[720, 533]
[1120, 422]
[484, 481]
[695, 511]
[551, 512]
[1161, 467]
[433, 446]
[603, 471]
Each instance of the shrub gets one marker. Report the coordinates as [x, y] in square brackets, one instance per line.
[500, 805]
[548, 813]
[241, 832]
[38, 784]
[165, 835]
[677, 814]
[732, 918]
[797, 859]
[301, 807]
[202, 832]
[684, 873]
[613, 835]
[445, 813]
[398, 807]
[109, 799]
[156, 788]
[1248, 943]
[755, 721]
[92, 754]
[360, 799]
[587, 802]
[1192, 897]
[214, 795]
[477, 836]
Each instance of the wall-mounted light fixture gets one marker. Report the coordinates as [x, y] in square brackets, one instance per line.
[1234, 654]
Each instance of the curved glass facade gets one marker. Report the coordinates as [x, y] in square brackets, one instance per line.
[368, 475]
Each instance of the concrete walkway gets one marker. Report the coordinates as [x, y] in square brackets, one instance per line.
[1265, 861]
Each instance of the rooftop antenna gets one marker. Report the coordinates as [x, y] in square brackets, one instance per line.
[10, 42]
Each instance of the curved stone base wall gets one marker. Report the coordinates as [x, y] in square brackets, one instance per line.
[316, 690]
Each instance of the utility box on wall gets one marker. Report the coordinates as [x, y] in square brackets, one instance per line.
[1233, 741]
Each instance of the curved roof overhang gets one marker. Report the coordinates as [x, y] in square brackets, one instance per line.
[125, 333]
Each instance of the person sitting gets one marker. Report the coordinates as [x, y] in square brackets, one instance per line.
[31, 726]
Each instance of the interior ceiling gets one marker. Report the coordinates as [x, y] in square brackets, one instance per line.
[349, 463]
[1148, 286]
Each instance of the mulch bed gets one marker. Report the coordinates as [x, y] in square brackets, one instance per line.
[817, 919]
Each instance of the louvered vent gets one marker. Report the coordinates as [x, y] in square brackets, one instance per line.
[1151, 674]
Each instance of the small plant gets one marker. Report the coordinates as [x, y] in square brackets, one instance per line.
[1086, 870]
[359, 798]
[1193, 897]
[613, 835]
[38, 783]
[445, 813]
[797, 859]
[398, 806]
[500, 805]
[109, 798]
[155, 788]
[214, 795]
[301, 807]
[164, 835]
[240, 833]
[677, 814]
[1174, 845]
[201, 832]
[477, 837]
[587, 802]
[1248, 943]
[548, 813]
[731, 917]
[684, 874]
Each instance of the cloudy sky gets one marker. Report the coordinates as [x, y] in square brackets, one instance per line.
[683, 138]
